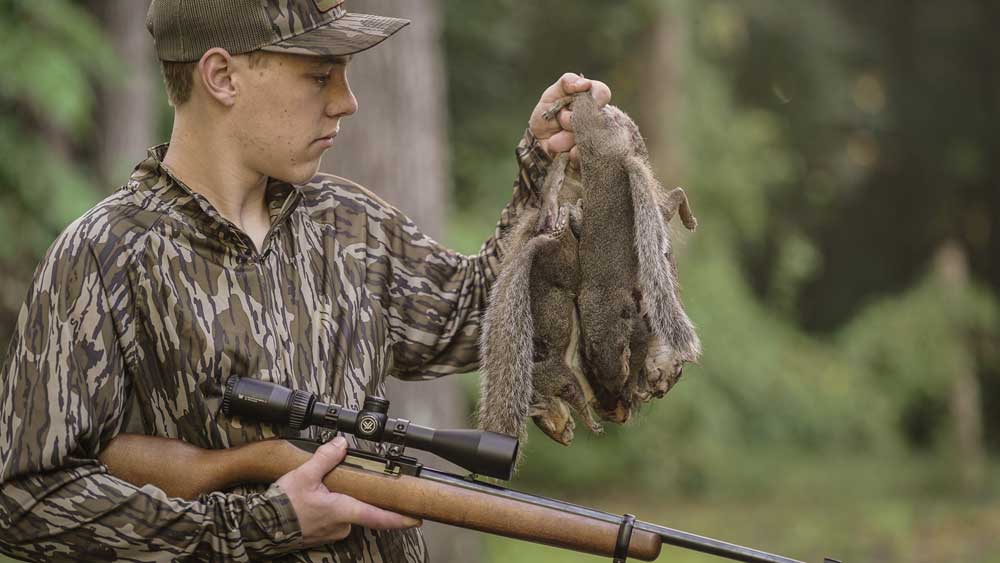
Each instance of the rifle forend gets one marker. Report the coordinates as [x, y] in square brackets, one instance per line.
[186, 471]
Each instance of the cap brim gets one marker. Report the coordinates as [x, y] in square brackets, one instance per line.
[348, 35]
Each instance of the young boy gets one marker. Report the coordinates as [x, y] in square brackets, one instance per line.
[226, 254]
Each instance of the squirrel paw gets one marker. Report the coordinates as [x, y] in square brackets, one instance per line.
[661, 372]
[553, 111]
[553, 417]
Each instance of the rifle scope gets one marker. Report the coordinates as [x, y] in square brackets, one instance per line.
[481, 452]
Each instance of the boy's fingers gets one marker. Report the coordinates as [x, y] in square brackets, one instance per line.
[326, 457]
[600, 92]
[368, 516]
[572, 83]
[566, 119]
[566, 85]
[560, 142]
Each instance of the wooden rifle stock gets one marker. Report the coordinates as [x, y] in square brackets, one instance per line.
[186, 471]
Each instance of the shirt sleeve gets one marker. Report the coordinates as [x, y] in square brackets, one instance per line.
[62, 398]
[437, 296]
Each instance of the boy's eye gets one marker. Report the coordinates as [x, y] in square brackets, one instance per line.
[321, 79]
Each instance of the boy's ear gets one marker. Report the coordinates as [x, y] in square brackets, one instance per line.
[215, 73]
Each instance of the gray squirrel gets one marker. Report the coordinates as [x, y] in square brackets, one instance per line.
[530, 337]
[585, 315]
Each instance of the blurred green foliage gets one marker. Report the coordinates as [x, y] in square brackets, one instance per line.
[910, 342]
[54, 56]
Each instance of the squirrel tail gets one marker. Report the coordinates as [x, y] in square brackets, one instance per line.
[657, 277]
[506, 345]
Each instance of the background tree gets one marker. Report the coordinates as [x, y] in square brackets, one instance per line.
[397, 146]
[129, 108]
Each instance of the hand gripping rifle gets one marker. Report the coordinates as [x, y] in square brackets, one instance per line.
[396, 482]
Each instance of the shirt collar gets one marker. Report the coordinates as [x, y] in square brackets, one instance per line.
[280, 197]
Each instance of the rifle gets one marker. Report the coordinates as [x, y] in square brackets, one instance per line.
[396, 482]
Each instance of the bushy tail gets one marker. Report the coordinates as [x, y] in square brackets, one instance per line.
[506, 345]
[657, 279]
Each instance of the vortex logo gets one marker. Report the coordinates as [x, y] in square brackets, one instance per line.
[368, 424]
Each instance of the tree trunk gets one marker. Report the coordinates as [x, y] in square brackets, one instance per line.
[966, 403]
[127, 108]
[661, 101]
[396, 146]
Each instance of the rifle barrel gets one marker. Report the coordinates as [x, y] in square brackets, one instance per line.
[670, 536]
[712, 546]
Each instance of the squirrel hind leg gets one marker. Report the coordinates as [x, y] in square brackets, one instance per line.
[661, 371]
[557, 394]
[554, 179]
[548, 410]
[583, 399]
[676, 201]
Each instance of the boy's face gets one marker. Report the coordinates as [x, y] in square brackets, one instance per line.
[288, 110]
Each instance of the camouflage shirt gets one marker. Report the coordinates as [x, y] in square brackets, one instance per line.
[145, 305]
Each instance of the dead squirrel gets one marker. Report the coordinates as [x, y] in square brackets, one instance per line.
[626, 263]
[628, 308]
[531, 333]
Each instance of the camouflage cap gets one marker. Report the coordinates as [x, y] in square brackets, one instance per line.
[183, 30]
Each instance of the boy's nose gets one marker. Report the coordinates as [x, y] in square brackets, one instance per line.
[342, 103]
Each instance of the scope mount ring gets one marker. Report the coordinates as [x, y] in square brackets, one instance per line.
[397, 438]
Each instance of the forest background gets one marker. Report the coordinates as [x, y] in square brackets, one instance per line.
[842, 158]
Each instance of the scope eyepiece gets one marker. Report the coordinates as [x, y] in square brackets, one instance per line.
[485, 453]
